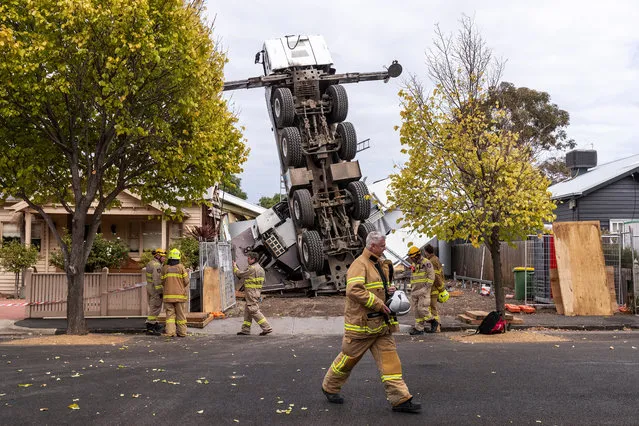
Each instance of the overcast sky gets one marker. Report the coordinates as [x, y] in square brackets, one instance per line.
[584, 54]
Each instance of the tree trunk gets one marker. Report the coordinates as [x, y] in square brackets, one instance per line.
[495, 252]
[17, 288]
[76, 323]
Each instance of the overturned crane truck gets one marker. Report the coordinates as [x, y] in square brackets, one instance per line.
[315, 235]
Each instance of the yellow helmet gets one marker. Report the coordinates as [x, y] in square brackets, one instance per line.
[443, 296]
[160, 252]
[412, 251]
[175, 254]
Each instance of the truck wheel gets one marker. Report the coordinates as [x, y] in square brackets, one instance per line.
[348, 148]
[312, 251]
[364, 229]
[283, 107]
[360, 206]
[303, 212]
[339, 101]
[291, 147]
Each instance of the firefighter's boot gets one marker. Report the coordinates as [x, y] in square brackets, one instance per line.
[416, 332]
[408, 407]
[335, 398]
[151, 329]
[435, 327]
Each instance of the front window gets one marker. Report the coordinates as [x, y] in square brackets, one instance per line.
[151, 235]
[616, 225]
[36, 234]
[10, 232]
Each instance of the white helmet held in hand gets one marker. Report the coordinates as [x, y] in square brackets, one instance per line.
[399, 303]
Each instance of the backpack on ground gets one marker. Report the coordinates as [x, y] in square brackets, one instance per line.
[493, 323]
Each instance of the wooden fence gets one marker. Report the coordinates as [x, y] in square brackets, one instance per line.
[467, 261]
[105, 294]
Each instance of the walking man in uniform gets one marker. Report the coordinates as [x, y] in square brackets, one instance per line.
[421, 281]
[252, 279]
[438, 286]
[154, 291]
[175, 280]
[368, 325]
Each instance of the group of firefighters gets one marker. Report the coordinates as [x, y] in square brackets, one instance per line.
[167, 282]
[369, 321]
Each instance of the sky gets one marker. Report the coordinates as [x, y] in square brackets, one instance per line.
[585, 54]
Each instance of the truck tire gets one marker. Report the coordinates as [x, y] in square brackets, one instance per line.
[291, 147]
[348, 148]
[360, 207]
[312, 251]
[364, 229]
[303, 211]
[339, 101]
[283, 107]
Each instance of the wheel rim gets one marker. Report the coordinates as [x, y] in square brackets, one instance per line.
[297, 210]
[277, 107]
[305, 253]
[284, 148]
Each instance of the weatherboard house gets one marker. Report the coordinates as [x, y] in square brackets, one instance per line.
[142, 226]
[608, 193]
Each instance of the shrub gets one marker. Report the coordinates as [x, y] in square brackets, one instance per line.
[104, 253]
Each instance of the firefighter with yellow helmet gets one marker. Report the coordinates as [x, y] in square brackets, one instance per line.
[175, 280]
[154, 291]
[438, 293]
[421, 280]
[252, 279]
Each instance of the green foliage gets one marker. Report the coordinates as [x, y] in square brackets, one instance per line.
[232, 185]
[104, 253]
[627, 257]
[190, 249]
[15, 256]
[145, 258]
[268, 202]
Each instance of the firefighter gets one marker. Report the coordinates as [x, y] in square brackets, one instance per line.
[421, 280]
[252, 279]
[368, 325]
[175, 280]
[438, 286]
[154, 291]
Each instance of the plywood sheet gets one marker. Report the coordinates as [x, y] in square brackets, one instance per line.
[556, 291]
[610, 281]
[211, 293]
[581, 268]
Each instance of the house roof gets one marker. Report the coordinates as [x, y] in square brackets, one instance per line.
[226, 198]
[595, 178]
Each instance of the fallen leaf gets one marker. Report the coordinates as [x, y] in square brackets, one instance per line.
[74, 406]
[136, 395]
[200, 412]
[236, 420]
[612, 347]
[303, 408]
[25, 385]
[44, 409]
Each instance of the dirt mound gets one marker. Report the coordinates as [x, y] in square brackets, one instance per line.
[515, 336]
[68, 340]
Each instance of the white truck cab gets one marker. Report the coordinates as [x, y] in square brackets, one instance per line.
[285, 53]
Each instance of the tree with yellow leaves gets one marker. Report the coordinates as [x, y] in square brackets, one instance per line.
[466, 176]
[102, 96]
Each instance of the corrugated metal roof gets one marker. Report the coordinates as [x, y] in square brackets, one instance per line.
[595, 178]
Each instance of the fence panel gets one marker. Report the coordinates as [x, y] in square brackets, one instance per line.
[476, 262]
[104, 294]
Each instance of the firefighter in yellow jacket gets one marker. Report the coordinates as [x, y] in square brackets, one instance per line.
[421, 280]
[438, 286]
[368, 325]
[175, 280]
[154, 291]
[252, 279]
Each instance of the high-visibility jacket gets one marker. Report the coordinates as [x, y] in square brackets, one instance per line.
[252, 278]
[422, 276]
[439, 283]
[365, 297]
[175, 280]
[154, 275]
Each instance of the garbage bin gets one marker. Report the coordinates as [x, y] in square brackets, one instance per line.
[523, 282]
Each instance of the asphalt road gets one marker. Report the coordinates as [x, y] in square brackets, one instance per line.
[591, 380]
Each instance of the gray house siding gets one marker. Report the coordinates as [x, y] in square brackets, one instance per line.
[618, 200]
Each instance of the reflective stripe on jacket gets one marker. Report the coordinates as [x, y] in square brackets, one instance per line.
[154, 275]
[252, 278]
[423, 276]
[365, 295]
[439, 284]
[175, 280]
